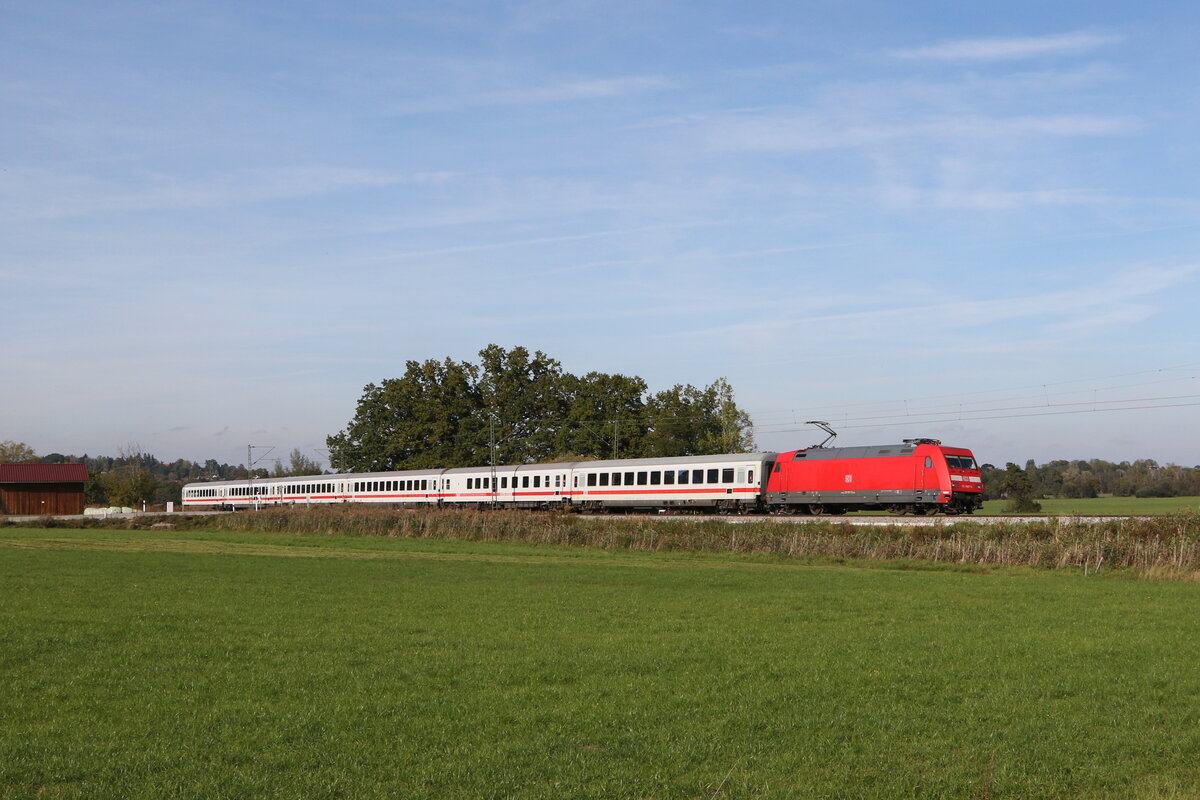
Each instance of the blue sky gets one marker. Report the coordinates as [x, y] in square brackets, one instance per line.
[973, 221]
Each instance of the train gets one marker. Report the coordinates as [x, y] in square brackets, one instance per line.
[919, 476]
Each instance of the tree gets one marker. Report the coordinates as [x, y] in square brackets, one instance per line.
[16, 453]
[129, 482]
[524, 403]
[736, 434]
[521, 407]
[298, 464]
[1019, 490]
[605, 416]
[430, 417]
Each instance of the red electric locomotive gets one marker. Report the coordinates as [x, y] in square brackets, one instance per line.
[918, 475]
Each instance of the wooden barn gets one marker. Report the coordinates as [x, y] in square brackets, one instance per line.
[42, 488]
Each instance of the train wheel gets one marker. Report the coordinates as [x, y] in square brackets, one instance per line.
[816, 509]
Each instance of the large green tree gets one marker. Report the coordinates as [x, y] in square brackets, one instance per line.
[515, 406]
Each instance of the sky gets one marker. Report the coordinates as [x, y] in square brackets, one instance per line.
[977, 222]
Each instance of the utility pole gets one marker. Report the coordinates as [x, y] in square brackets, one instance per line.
[250, 462]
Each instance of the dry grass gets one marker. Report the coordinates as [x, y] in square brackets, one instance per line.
[1166, 547]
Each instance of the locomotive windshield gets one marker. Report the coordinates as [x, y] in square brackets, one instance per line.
[961, 462]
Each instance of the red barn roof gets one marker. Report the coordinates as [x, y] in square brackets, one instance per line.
[43, 473]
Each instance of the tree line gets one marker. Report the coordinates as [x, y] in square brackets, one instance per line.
[516, 407]
[134, 477]
[1024, 486]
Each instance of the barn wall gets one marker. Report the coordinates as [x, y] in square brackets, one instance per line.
[41, 498]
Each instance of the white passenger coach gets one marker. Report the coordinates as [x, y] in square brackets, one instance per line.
[727, 483]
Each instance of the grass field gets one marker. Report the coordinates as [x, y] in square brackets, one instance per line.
[234, 665]
[1106, 506]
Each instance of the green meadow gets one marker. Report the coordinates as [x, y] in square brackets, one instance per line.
[201, 664]
[1105, 506]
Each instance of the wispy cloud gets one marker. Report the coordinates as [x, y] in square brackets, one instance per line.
[561, 92]
[48, 194]
[1010, 49]
[805, 131]
[902, 196]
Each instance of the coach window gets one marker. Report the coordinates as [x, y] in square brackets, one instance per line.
[537, 481]
[524, 481]
[712, 475]
[750, 476]
[669, 477]
[616, 479]
[727, 475]
[591, 479]
[642, 477]
[629, 479]
[604, 479]
[683, 476]
[655, 478]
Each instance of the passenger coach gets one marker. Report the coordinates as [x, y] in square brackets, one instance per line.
[725, 482]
